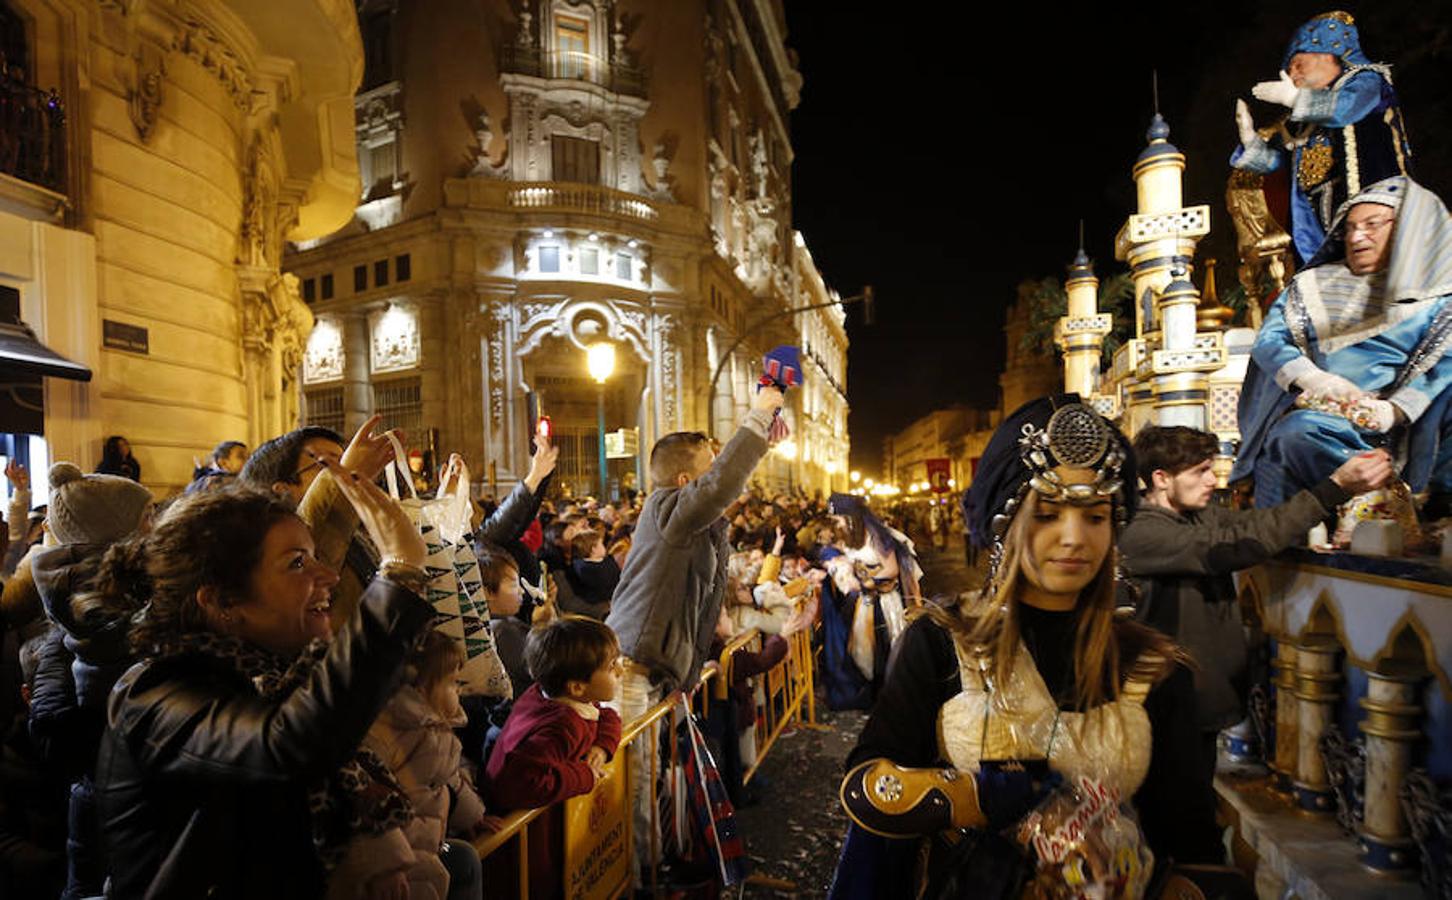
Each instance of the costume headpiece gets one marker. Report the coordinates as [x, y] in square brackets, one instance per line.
[1334, 33]
[1052, 431]
[845, 505]
[1420, 264]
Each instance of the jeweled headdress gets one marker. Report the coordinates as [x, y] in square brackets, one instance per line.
[1022, 454]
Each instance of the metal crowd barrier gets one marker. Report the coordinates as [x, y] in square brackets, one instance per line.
[593, 833]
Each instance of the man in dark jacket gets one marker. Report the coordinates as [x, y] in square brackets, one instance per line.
[1182, 549]
[666, 605]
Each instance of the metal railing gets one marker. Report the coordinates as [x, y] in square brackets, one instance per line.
[788, 693]
[573, 65]
[32, 133]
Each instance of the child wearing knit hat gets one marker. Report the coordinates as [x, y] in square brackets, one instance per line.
[93, 509]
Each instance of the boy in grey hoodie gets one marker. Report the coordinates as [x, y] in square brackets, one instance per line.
[664, 610]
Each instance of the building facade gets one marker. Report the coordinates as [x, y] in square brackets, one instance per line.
[154, 157]
[539, 177]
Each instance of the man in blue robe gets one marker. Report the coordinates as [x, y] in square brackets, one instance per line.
[1344, 130]
[1353, 354]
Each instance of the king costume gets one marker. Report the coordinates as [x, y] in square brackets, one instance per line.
[1386, 332]
[1337, 139]
[864, 616]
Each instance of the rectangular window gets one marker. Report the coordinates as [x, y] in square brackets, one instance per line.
[623, 268]
[574, 159]
[549, 259]
[327, 286]
[310, 289]
[380, 273]
[400, 402]
[590, 261]
[360, 279]
[402, 268]
[381, 168]
[324, 406]
[572, 47]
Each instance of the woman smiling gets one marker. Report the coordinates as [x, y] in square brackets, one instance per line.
[232, 766]
[996, 693]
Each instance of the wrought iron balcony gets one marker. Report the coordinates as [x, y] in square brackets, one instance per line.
[32, 133]
[574, 66]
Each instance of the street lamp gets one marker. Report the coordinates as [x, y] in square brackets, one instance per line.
[855, 477]
[600, 359]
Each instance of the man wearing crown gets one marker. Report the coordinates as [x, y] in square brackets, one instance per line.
[1342, 133]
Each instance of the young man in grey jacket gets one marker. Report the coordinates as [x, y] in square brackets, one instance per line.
[669, 597]
[1181, 551]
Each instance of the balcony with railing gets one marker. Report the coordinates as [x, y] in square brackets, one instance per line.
[574, 65]
[32, 133]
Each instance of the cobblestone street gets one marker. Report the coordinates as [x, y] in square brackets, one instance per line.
[794, 830]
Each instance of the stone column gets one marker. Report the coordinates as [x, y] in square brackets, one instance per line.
[1391, 728]
[1317, 690]
[357, 393]
[1283, 762]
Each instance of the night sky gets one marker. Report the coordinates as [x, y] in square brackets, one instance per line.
[942, 160]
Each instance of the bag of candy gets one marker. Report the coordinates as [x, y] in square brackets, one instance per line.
[1087, 845]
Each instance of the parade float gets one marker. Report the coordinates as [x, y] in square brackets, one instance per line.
[1337, 784]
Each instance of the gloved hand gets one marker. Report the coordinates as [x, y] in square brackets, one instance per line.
[1244, 124]
[1282, 91]
[1324, 384]
[1371, 414]
[1007, 791]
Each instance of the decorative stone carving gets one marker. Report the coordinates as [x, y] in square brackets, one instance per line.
[395, 344]
[760, 166]
[259, 238]
[660, 163]
[525, 37]
[199, 42]
[669, 372]
[323, 360]
[503, 316]
[484, 167]
[275, 326]
[144, 97]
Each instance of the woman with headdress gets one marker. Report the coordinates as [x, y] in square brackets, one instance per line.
[1037, 675]
[872, 577]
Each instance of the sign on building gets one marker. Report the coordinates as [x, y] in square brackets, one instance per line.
[940, 470]
[622, 444]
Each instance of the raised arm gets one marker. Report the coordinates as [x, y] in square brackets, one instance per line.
[703, 500]
[198, 728]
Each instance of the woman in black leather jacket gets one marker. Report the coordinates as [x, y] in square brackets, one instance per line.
[231, 767]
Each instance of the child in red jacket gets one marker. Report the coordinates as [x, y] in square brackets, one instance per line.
[558, 737]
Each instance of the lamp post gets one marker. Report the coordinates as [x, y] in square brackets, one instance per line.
[600, 359]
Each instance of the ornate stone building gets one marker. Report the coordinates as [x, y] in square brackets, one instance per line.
[154, 157]
[541, 176]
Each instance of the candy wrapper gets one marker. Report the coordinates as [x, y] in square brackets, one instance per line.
[1087, 845]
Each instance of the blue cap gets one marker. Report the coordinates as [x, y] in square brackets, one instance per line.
[1334, 33]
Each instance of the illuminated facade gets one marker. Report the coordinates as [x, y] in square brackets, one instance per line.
[530, 188]
[153, 158]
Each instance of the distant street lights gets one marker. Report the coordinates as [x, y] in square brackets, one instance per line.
[600, 359]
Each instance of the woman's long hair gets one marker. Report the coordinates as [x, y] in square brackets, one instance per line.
[209, 539]
[1104, 643]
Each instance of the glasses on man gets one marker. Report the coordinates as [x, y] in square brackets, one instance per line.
[1368, 227]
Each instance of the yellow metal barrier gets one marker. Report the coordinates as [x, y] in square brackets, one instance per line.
[594, 832]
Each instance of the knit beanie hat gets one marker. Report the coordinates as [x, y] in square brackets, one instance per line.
[93, 509]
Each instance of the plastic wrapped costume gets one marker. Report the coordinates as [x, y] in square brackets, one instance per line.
[1388, 333]
[862, 618]
[1336, 139]
[950, 758]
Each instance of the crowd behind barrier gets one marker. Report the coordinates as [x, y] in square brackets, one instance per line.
[590, 835]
